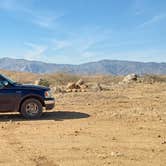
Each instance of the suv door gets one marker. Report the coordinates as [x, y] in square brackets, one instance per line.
[8, 97]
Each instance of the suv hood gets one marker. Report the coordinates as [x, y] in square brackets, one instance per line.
[33, 87]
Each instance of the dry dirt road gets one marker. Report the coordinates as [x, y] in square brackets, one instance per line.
[122, 127]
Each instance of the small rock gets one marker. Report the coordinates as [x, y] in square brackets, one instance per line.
[113, 138]
[10, 121]
[130, 77]
[116, 154]
[80, 82]
[71, 85]
[76, 131]
[75, 148]
[84, 86]
[97, 87]
[74, 90]
[83, 90]
[68, 90]
[21, 147]
[141, 128]
[102, 156]
[164, 142]
[141, 113]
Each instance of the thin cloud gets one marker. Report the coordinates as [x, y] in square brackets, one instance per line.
[82, 43]
[61, 44]
[75, 44]
[48, 22]
[44, 19]
[153, 20]
[35, 52]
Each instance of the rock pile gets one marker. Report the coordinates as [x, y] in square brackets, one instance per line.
[78, 86]
[57, 89]
[130, 78]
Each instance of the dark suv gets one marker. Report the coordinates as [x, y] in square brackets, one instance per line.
[29, 100]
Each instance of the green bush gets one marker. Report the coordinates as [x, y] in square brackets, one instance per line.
[44, 82]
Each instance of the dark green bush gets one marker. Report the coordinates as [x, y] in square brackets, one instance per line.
[44, 82]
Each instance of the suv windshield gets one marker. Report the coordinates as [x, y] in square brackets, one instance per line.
[9, 80]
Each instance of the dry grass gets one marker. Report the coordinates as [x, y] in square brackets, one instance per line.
[153, 78]
[107, 79]
[22, 77]
[61, 78]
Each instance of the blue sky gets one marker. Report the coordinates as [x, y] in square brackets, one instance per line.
[79, 31]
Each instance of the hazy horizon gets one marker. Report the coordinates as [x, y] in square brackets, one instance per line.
[123, 60]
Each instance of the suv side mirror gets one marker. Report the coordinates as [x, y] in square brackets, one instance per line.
[5, 83]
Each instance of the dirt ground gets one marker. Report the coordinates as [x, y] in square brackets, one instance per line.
[125, 126]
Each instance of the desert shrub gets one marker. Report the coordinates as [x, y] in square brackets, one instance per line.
[149, 78]
[61, 78]
[103, 79]
[44, 82]
[65, 78]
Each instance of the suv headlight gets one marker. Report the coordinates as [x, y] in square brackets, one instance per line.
[48, 94]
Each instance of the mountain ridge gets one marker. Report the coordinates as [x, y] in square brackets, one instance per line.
[114, 67]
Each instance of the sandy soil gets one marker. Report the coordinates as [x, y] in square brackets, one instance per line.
[125, 126]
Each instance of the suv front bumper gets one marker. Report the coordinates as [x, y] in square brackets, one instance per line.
[49, 103]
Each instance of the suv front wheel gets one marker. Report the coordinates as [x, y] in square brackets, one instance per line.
[31, 108]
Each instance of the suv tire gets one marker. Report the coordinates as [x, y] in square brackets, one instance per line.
[31, 108]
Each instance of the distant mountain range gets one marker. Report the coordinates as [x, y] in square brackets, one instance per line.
[114, 67]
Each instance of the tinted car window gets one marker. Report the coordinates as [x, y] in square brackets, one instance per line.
[1, 85]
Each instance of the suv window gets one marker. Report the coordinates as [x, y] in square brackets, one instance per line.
[1, 85]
